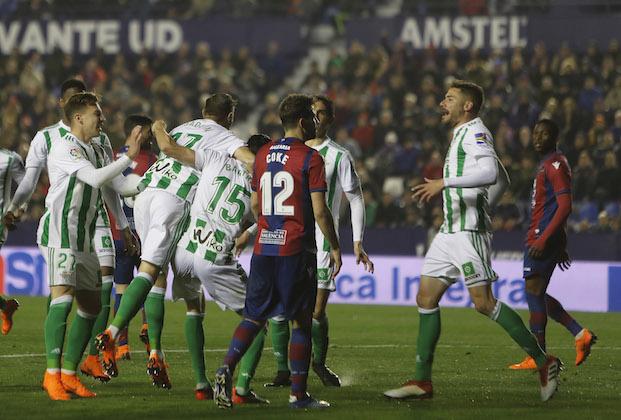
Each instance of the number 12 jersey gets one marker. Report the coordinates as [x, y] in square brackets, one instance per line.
[286, 172]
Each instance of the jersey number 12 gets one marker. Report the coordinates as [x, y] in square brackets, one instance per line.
[282, 180]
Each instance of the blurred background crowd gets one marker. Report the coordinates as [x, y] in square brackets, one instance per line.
[386, 100]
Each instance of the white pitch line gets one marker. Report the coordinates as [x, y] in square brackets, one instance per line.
[358, 346]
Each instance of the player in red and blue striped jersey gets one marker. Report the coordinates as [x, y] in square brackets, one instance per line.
[288, 196]
[546, 243]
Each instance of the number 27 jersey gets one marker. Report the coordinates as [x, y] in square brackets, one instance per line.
[286, 172]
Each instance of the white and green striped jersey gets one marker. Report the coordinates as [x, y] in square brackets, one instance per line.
[11, 169]
[41, 145]
[71, 205]
[103, 143]
[466, 209]
[176, 178]
[340, 176]
[221, 205]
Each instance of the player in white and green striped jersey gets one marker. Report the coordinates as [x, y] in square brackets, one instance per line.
[342, 179]
[11, 170]
[161, 214]
[78, 171]
[40, 148]
[463, 245]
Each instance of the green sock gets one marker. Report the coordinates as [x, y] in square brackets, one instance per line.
[248, 363]
[320, 340]
[195, 338]
[132, 301]
[54, 330]
[2, 300]
[77, 339]
[154, 308]
[513, 324]
[49, 300]
[102, 319]
[429, 327]
[280, 342]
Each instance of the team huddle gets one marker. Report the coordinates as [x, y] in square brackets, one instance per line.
[191, 198]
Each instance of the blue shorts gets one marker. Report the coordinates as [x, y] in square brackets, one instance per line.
[285, 286]
[543, 267]
[125, 264]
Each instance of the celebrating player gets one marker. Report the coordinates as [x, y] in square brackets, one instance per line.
[463, 244]
[78, 168]
[11, 169]
[127, 258]
[341, 178]
[163, 205]
[546, 243]
[288, 195]
[220, 211]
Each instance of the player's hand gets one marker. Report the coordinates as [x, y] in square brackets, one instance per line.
[132, 245]
[9, 220]
[159, 126]
[241, 242]
[363, 257]
[335, 259]
[134, 142]
[564, 260]
[537, 248]
[425, 192]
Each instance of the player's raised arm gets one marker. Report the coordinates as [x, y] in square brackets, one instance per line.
[244, 155]
[169, 147]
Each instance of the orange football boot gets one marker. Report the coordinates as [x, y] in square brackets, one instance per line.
[53, 385]
[105, 345]
[72, 384]
[6, 314]
[91, 366]
[527, 364]
[584, 340]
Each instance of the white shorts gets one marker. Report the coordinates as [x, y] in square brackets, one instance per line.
[226, 284]
[324, 272]
[161, 218]
[466, 254]
[67, 267]
[104, 246]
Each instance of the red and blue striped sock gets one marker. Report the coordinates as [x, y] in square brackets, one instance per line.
[538, 317]
[560, 315]
[243, 336]
[299, 360]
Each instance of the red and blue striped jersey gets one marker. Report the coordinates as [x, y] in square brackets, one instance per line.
[553, 179]
[285, 174]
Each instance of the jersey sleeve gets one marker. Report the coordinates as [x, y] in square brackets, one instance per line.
[559, 174]
[316, 174]
[17, 168]
[228, 142]
[478, 142]
[37, 154]
[347, 173]
[107, 147]
[205, 158]
[69, 157]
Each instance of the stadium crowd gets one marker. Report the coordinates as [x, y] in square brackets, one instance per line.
[387, 113]
[387, 116]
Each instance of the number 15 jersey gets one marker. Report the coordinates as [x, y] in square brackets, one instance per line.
[286, 172]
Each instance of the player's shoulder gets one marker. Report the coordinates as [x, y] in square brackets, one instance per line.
[556, 161]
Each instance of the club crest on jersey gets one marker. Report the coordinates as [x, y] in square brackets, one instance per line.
[469, 273]
[275, 237]
[481, 138]
[556, 164]
[75, 153]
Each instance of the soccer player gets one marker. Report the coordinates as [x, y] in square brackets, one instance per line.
[126, 259]
[220, 211]
[288, 195]
[341, 178]
[11, 170]
[78, 169]
[462, 247]
[36, 160]
[546, 243]
[161, 214]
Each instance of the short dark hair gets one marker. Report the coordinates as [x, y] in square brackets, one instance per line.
[219, 105]
[256, 141]
[472, 91]
[78, 102]
[327, 102]
[294, 107]
[134, 120]
[76, 84]
[551, 126]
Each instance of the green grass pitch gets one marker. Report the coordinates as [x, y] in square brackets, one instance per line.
[371, 348]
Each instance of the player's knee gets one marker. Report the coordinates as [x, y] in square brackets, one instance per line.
[484, 306]
[534, 286]
[426, 301]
